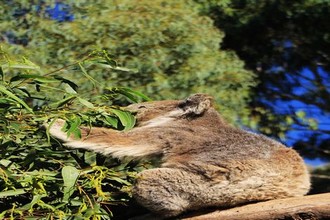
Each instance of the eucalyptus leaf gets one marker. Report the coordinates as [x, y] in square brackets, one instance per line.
[73, 85]
[35, 199]
[14, 97]
[112, 121]
[129, 93]
[85, 102]
[20, 66]
[126, 118]
[6, 101]
[37, 78]
[70, 175]
[14, 192]
[62, 102]
[73, 127]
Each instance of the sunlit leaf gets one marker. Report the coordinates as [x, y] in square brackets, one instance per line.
[301, 114]
[70, 175]
[15, 192]
[85, 102]
[313, 124]
[126, 118]
[69, 89]
[21, 66]
[112, 121]
[14, 97]
[73, 127]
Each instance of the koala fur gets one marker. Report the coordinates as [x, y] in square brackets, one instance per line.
[206, 162]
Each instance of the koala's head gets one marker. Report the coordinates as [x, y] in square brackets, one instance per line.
[193, 106]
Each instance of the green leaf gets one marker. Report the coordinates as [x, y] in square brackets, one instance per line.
[5, 101]
[69, 89]
[23, 91]
[301, 114]
[313, 123]
[109, 60]
[73, 127]
[70, 175]
[62, 102]
[120, 180]
[14, 97]
[14, 192]
[37, 78]
[111, 121]
[90, 157]
[35, 199]
[73, 85]
[126, 118]
[129, 93]
[84, 71]
[85, 102]
[289, 120]
[21, 66]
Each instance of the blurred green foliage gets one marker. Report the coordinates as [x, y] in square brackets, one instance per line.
[172, 48]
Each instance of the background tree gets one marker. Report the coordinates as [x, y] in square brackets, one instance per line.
[164, 41]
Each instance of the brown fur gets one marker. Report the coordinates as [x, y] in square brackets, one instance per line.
[205, 161]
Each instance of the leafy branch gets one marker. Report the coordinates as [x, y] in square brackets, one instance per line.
[38, 177]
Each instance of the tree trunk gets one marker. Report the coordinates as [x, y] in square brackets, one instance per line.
[307, 207]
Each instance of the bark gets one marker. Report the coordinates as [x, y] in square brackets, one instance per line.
[299, 208]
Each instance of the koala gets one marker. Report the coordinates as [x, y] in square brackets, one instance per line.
[205, 161]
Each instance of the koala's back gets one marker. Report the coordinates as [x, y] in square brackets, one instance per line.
[233, 166]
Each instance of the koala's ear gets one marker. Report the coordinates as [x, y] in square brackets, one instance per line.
[196, 104]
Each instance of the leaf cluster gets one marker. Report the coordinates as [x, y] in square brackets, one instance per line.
[38, 177]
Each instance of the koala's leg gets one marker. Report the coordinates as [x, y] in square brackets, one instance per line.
[166, 191]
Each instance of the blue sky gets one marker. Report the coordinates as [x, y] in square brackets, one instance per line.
[312, 111]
